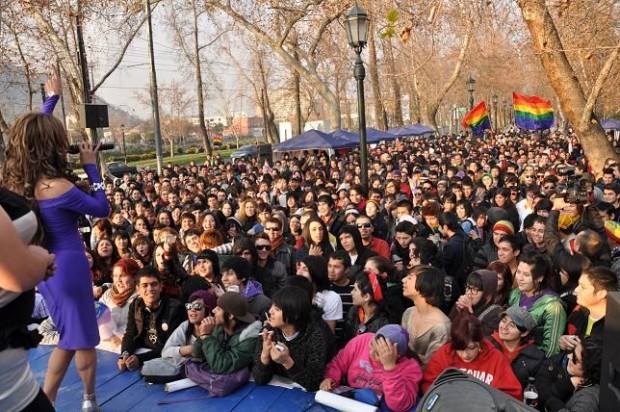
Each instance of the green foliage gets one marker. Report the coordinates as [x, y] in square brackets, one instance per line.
[392, 16]
[389, 30]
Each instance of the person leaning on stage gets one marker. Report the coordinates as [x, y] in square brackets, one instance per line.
[292, 345]
[152, 318]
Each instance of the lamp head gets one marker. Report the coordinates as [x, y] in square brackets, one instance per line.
[356, 24]
[471, 84]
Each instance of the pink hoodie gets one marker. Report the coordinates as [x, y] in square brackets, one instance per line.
[399, 386]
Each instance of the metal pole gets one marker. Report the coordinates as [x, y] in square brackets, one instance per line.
[124, 147]
[495, 123]
[360, 74]
[154, 97]
[471, 100]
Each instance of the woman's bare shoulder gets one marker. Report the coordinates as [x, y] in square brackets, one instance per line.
[51, 188]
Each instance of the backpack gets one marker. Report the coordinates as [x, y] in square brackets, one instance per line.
[163, 370]
[216, 384]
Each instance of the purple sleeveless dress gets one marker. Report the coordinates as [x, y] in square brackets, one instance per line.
[69, 293]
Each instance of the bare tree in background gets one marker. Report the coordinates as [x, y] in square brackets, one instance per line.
[577, 95]
[53, 28]
[272, 22]
[188, 25]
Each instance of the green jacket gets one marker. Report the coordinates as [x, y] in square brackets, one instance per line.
[227, 354]
[550, 317]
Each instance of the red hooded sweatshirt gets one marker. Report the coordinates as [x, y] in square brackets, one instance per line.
[490, 366]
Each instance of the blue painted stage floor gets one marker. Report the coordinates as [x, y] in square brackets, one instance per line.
[126, 391]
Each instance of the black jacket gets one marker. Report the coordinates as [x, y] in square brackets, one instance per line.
[553, 381]
[352, 324]
[168, 317]
[527, 363]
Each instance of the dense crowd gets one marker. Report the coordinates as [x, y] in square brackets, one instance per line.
[494, 256]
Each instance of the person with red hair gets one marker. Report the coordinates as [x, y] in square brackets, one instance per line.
[470, 352]
[117, 299]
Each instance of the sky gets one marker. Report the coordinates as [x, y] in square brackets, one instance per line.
[133, 74]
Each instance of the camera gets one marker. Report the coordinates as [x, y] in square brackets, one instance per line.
[75, 148]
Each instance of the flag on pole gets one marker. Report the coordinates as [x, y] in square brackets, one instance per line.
[477, 119]
[532, 112]
[217, 140]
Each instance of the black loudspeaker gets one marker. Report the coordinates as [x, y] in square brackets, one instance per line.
[455, 391]
[263, 151]
[94, 116]
[609, 398]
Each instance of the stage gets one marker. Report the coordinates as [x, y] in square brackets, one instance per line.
[126, 391]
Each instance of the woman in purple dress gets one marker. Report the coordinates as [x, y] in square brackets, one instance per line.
[36, 167]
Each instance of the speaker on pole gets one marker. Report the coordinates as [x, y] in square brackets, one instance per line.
[263, 152]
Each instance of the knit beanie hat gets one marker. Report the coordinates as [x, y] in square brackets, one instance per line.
[505, 227]
[395, 334]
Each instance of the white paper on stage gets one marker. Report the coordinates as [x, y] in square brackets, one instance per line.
[341, 403]
[282, 382]
[179, 385]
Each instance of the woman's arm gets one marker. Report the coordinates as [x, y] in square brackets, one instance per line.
[53, 90]
[21, 267]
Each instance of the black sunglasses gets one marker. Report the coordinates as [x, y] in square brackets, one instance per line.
[263, 247]
[272, 229]
[364, 225]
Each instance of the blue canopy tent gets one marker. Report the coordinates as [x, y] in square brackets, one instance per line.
[313, 139]
[611, 124]
[372, 136]
[417, 129]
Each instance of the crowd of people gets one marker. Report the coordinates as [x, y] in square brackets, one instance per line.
[494, 256]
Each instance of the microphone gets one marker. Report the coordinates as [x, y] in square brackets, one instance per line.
[75, 149]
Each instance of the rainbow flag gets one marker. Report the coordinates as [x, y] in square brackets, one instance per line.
[217, 140]
[477, 119]
[532, 112]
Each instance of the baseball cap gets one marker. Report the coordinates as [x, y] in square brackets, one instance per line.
[520, 317]
[235, 303]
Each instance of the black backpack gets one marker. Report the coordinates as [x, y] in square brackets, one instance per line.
[456, 391]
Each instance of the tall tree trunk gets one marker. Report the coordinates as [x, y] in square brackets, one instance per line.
[563, 79]
[199, 85]
[397, 115]
[373, 67]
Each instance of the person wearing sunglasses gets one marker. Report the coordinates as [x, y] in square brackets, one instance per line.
[280, 249]
[375, 244]
[572, 384]
[180, 344]
[270, 272]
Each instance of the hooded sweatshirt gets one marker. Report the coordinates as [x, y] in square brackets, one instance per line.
[258, 303]
[486, 310]
[490, 366]
[398, 386]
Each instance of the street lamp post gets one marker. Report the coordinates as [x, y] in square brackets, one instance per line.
[471, 86]
[504, 111]
[356, 25]
[494, 99]
[124, 148]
